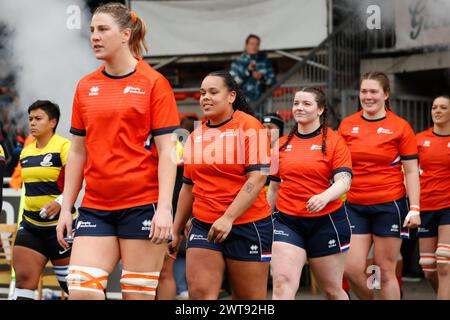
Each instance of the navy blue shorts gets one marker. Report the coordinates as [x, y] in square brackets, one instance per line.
[42, 240]
[430, 222]
[246, 242]
[131, 223]
[382, 219]
[319, 236]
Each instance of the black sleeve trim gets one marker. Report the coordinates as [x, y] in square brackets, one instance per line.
[343, 169]
[273, 178]
[166, 130]
[77, 132]
[188, 181]
[257, 167]
[411, 157]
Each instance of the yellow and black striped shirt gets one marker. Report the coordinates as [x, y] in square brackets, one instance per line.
[43, 177]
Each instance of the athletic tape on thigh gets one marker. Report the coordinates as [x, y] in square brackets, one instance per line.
[139, 282]
[87, 279]
[61, 272]
[428, 261]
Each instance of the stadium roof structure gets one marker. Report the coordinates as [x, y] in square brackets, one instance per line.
[199, 27]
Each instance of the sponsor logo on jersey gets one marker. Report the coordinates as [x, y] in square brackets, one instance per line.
[133, 90]
[384, 131]
[47, 162]
[316, 147]
[288, 148]
[427, 143]
[355, 130]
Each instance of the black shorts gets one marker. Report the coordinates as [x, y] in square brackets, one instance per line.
[319, 236]
[130, 223]
[430, 222]
[246, 242]
[381, 219]
[42, 240]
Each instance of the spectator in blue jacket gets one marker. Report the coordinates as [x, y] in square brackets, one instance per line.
[253, 71]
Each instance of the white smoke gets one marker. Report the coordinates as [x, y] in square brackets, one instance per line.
[48, 58]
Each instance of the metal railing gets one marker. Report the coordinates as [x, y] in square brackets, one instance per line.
[333, 65]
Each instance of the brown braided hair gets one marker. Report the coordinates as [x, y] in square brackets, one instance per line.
[383, 80]
[321, 100]
[127, 19]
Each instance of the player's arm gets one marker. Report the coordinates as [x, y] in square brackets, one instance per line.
[161, 228]
[184, 211]
[411, 168]
[341, 185]
[72, 186]
[244, 199]
[272, 193]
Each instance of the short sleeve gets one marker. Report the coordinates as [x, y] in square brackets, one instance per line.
[342, 160]
[163, 112]
[187, 156]
[65, 152]
[257, 147]
[341, 130]
[274, 174]
[407, 144]
[187, 174]
[77, 127]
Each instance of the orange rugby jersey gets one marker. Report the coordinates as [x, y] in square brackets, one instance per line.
[434, 162]
[216, 160]
[377, 146]
[305, 171]
[119, 117]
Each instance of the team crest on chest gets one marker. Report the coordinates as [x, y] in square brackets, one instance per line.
[47, 162]
[355, 130]
[94, 91]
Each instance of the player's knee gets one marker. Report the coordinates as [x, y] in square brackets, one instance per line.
[87, 279]
[443, 250]
[139, 282]
[428, 262]
[443, 259]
